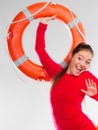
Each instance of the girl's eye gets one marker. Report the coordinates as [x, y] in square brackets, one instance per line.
[87, 62]
[79, 58]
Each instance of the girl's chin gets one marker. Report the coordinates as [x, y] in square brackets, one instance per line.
[77, 73]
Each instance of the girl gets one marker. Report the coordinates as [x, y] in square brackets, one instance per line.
[70, 84]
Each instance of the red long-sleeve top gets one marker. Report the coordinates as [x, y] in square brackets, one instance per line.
[66, 96]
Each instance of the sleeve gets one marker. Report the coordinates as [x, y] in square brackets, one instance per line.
[50, 66]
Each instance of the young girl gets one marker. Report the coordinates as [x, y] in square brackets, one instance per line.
[70, 84]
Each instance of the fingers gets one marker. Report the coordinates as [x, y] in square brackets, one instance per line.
[44, 20]
[53, 17]
[91, 88]
[90, 83]
[84, 91]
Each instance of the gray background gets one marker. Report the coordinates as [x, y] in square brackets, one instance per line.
[24, 102]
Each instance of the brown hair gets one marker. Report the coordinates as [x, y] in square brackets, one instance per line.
[79, 47]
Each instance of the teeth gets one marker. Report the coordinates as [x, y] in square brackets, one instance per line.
[79, 68]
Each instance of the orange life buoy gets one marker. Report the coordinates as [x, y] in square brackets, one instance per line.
[15, 31]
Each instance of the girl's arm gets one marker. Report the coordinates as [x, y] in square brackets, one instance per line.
[51, 66]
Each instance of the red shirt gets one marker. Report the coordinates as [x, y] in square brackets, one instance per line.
[66, 95]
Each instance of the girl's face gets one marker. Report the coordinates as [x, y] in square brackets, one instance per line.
[79, 62]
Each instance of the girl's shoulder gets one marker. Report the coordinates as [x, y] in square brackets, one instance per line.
[88, 74]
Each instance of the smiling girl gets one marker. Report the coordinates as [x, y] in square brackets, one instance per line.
[70, 84]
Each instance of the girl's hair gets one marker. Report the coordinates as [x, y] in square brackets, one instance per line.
[79, 47]
[82, 46]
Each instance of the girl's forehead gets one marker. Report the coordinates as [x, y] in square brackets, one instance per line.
[85, 53]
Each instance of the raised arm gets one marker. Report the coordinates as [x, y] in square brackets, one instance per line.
[51, 66]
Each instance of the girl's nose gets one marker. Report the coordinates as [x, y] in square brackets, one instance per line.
[83, 64]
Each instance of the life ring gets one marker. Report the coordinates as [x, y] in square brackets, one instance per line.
[15, 31]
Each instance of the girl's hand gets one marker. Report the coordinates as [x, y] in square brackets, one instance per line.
[91, 88]
[44, 20]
